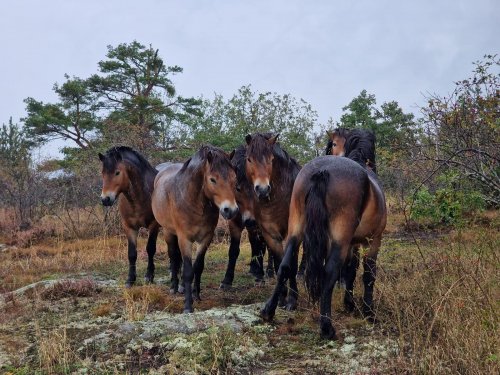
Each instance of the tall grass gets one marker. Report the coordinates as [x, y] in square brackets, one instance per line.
[443, 303]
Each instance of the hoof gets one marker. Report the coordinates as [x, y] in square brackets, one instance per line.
[259, 283]
[196, 297]
[149, 279]
[328, 333]
[181, 289]
[266, 315]
[225, 286]
[349, 305]
[129, 284]
[270, 274]
[291, 306]
[188, 311]
[173, 291]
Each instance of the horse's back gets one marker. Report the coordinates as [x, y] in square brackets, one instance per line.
[165, 172]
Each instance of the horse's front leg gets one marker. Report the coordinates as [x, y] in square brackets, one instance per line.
[187, 272]
[199, 265]
[235, 229]
[349, 275]
[132, 255]
[258, 246]
[175, 257]
[151, 250]
[284, 272]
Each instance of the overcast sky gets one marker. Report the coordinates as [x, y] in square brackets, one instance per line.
[325, 52]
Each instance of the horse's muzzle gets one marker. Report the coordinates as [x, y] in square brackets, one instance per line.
[262, 191]
[107, 201]
[228, 212]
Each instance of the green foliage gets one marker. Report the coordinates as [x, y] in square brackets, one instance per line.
[226, 122]
[74, 117]
[448, 204]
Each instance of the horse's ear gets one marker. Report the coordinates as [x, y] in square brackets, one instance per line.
[329, 134]
[248, 139]
[101, 157]
[273, 139]
[231, 155]
[210, 156]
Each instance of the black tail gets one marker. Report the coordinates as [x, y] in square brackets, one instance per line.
[316, 234]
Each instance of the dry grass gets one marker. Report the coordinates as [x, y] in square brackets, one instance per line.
[24, 266]
[71, 288]
[442, 301]
[140, 300]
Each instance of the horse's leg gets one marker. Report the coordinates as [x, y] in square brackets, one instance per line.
[199, 265]
[333, 265]
[132, 255]
[235, 229]
[187, 273]
[151, 250]
[174, 255]
[276, 249]
[302, 266]
[284, 272]
[272, 266]
[369, 276]
[258, 246]
[349, 275]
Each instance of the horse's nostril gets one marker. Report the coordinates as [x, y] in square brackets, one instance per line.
[226, 209]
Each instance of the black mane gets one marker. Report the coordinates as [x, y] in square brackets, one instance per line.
[220, 160]
[239, 161]
[126, 154]
[360, 147]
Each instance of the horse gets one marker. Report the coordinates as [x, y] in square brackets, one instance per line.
[337, 144]
[271, 173]
[128, 177]
[337, 205]
[245, 219]
[187, 200]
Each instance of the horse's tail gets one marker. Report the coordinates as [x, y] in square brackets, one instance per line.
[316, 234]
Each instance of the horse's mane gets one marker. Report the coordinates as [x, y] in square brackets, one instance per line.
[127, 154]
[360, 147]
[220, 161]
[238, 161]
[259, 147]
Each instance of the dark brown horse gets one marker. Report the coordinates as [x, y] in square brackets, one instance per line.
[127, 175]
[271, 172]
[187, 200]
[337, 205]
[244, 219]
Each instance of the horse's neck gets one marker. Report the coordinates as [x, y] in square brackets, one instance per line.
[191, 186]
[140, 186]
[284, 177]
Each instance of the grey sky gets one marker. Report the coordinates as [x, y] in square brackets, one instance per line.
[325, 52]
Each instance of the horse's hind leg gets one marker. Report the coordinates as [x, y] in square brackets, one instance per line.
[369, 276]
[174, 255]
[234, 251]
[349, 275]
[151, 250]
[132, 256]
[333, 265]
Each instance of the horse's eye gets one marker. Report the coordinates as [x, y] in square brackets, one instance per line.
[238, 189]
[117, 173]
[249, 160]
[334, 144]
[212, 180]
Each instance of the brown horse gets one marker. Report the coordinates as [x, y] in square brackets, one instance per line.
[244, 219]
[128, 175]
[187, 200]
[271, 172]
[337, 205]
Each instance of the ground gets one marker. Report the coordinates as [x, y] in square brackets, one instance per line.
[64, 309]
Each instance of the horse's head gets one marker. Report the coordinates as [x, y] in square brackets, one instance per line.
[259, 162]
[219, 183]
[336, 142]
[244, 191]
[115, 178]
